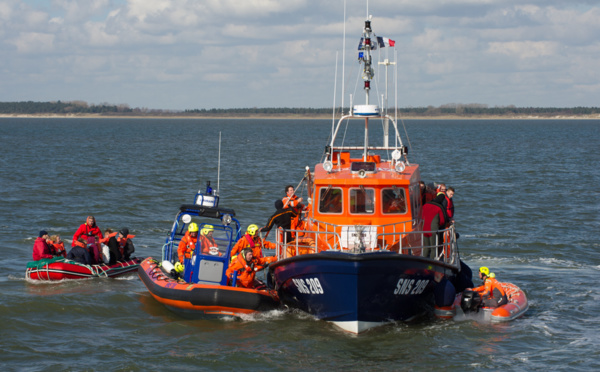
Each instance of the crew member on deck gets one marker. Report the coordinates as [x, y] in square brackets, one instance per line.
[491, 292]
[434, 217]
[253, 241]
[188, 243]
[207, 242]
[286, 218]
[290, 199]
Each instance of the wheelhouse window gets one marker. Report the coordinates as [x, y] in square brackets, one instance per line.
[393, 201]
[330, 200]
[362, 201]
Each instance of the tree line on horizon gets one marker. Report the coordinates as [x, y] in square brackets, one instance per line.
[81, 107]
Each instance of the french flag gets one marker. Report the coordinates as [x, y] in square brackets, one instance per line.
[384, 41]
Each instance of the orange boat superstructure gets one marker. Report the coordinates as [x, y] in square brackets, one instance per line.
[358, 209]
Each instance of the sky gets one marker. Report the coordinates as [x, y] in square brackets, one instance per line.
[203, 54]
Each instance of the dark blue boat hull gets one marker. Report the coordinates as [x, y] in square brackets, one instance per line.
[361, 291]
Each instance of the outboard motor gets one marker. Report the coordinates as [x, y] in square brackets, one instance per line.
[471, 301]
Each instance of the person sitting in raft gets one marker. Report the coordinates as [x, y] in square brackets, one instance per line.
[491, 292]
[79, 252]
[253, 241]
[286, 218]
[188, 243]
[209, 246]
[57, 246]
[89, 228]
[290, 199]
[40, 247]
[120, 246]
[246, 266]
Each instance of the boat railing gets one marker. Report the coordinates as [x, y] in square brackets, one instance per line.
[298, 242]
[392, 237]
[413, 243]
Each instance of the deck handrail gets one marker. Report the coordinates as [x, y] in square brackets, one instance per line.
[403, 242]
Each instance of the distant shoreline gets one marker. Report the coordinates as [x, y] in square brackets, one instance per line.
[297, 116]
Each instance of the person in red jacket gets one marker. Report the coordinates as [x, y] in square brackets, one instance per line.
[246, 266]
[89, 228]
[41, 248]
[434, 217]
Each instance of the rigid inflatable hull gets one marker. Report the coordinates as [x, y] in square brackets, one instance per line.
[202, 300]
[515, 308]
[359, 291]
[70, 270]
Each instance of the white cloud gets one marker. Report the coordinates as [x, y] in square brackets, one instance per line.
[282, 53]
[525, 49]
[34, 42]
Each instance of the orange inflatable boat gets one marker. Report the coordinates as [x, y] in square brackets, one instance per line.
[464, 307]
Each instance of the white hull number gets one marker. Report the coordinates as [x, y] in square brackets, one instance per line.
[308, 286]
[410, 286]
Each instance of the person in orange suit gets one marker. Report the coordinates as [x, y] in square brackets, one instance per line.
[491, 292]
[253, 241]
[290, 199]
[188, 243]
[246, 266]
[207, 242]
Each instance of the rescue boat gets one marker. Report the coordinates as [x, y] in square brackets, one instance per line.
[468, 305]
[61, 268]
[202, 289]
[359, 258]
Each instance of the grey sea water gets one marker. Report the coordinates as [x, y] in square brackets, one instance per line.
[527, 206]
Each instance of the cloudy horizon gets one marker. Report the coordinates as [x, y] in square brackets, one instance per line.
[186, 54]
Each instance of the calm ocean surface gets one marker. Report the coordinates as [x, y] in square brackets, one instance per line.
[527, 206]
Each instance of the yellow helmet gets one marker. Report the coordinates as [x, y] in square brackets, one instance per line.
[492, 275]
[484, 270]
[178, 267]
[193, 227]
[206, 229]
[252, 229]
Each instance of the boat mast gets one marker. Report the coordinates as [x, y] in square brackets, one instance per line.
[386, 122]
[367, 76]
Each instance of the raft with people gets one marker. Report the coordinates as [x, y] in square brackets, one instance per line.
[494, 301]
[198, 275]
[467, 305]
[91, 255]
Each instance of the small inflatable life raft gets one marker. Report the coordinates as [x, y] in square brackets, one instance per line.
[203, 300]
[60, 268]
[468, 304]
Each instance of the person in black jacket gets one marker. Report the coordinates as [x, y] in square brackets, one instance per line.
[120, 246]
[283, 218]
[80, 253]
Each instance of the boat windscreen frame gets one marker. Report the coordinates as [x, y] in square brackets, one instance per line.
[354, 207]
